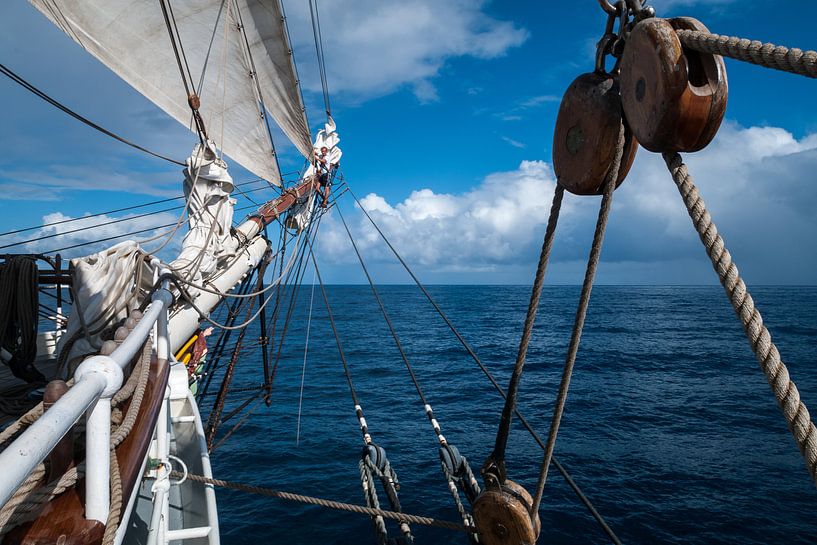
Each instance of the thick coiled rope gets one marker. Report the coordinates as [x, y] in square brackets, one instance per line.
[785, 391]
[27, 502]
[769, 55]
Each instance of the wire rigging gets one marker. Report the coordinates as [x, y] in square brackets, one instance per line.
[471, 352]
[316, 32]
[6, 71]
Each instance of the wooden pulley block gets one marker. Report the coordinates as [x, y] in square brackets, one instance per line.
[586, 136]
[674, 98]
[502, 516]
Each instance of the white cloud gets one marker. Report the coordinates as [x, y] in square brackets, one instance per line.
[758, 183]
[373, 47]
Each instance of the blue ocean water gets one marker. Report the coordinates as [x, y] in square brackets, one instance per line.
[670, 427]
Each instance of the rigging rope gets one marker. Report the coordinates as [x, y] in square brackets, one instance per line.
[581, 313]
[768, 55]
[331, 504]
[303, 369]
[382, 469]
[785, 391]
[562, 470]
[262, 109]
[316, 32]
[496, 461]
[125, 209]
[29, 87]
[455, 467]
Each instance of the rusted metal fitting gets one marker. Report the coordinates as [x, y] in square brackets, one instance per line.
[674, 98]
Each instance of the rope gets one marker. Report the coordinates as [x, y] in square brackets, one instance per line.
[26, 85]
[497, 457]
[785, 391]
[331, 504]
[18, 316]
[370, 493]
[316, 32]
[303, 369]
[581, 313]
[562, 470]
[768, 55]
[125, 209]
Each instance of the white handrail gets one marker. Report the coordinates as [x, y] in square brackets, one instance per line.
[20, 458]
[96, 380]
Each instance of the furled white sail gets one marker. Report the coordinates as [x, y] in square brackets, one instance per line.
[234, 49]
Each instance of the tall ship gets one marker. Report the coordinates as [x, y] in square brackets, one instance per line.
[106, 358]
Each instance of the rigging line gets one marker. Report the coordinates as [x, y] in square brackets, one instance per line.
[496, 460]
[203, 315]
[238, 424]
[262, 291]
[79, 229]
[67, 27]
[581, 314]
[210, 46]
[257, 88]
[303, 369]
[6, 71]
[273, 321]
[294, 64]
[224, 335]
[383, 311]
[468, 348]
[192, 98]
[313, 9]
[214, 420]
[323, 59]
[181, 44]
[368, 511]
[293, 298]
[125, 209]
[346, 370]
[125, 235]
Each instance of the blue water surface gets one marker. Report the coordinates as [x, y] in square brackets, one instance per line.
[670, 427]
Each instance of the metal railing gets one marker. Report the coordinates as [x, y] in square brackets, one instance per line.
[96, 380]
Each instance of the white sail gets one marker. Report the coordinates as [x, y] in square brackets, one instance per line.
[227, 45]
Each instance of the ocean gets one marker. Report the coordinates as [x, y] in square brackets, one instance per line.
[670, 427]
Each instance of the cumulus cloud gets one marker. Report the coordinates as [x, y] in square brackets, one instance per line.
[757, 182]
[373, 47]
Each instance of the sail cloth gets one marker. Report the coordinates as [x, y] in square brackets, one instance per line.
[131, 38]
[207, 188]
[328, 138]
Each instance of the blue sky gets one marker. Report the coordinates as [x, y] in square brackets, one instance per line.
[446, 111]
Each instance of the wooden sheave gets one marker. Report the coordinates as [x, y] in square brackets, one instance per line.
[674, 98]
[63, 520]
